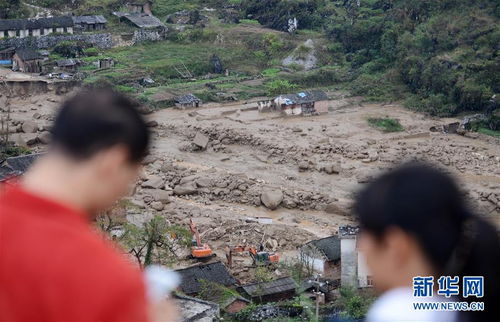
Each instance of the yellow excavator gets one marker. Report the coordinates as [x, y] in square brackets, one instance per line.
[199, 250]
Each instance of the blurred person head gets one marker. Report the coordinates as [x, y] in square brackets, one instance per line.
[98, 141]
[415, 222]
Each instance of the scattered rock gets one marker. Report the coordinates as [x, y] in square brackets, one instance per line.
[159, 195]
[303, 166]
[204, 182]
[156, 205]
[201, 141]
[44, 138]
[29, 127]
[188, 188]
[155, 182]
[272, 198]
[152, 123]
[149, 159]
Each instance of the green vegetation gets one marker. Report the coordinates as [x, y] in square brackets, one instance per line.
[442, 52]
[215, 292]
[7, 151]
[386, 124]
[10, 9]
[279, 86]
[154, 242]
[354, 303]
[489, 126]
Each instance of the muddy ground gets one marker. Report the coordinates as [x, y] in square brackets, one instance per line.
[309, 168]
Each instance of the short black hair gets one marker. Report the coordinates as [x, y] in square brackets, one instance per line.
[96, 119]
[428, 204]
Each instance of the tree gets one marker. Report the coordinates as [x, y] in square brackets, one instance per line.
[154, 242]
[10, 9]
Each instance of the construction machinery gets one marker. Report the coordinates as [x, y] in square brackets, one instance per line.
[260, 257]
[199, 250]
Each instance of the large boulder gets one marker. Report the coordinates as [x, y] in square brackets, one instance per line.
[271, 198]
[154, 182]
[159, 195]
[29, 127]
[187, 188]
[201, 140]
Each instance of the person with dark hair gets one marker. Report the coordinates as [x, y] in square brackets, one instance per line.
[54, 266]
[415, 223]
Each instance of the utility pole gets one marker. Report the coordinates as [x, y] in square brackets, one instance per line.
[318, 293]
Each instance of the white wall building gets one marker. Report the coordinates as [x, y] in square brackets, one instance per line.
[21, 28]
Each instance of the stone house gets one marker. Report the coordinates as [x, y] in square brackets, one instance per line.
[21, 28]
[27, 60]
[140, 20]
[89, 23]
[68, 65]
[304, 103]
[273, 291]
[234, 304]
[106, 63]
[140, 6]
[323, 256]
[354, 270]
[6, 56]
[187, 101]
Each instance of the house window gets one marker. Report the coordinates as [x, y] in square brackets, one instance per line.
[369, 280]
[42, 31]
[18, 33]
[30, 32]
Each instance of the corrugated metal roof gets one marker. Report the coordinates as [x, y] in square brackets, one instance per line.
[280, 285]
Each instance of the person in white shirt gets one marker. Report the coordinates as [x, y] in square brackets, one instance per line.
[415, 223]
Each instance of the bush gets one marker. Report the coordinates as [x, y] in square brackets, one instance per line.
[354, 303]
[91, 52]
[386, 124]
[69, 49]
[279, 86]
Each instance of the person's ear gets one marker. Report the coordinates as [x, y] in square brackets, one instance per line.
[399, 244]
[110, 160]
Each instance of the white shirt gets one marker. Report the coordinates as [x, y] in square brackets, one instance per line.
[397, 305]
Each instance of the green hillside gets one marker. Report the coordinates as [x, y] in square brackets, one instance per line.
[437, 56]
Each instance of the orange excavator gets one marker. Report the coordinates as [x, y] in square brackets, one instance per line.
[198, 250]
[260, 257]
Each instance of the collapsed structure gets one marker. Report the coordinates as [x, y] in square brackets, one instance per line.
[302, 103]
[187, 101]
[323, 256]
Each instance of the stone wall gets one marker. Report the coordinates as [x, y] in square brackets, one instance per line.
[142, 35]
[98, 40]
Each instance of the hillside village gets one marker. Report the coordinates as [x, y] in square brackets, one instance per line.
[260, 145]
